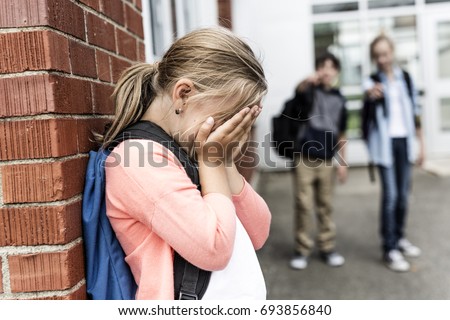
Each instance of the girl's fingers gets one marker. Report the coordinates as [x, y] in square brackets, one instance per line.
[229, 126]
[205, 130]
[237, 126]
[249, 120]
[258, 112]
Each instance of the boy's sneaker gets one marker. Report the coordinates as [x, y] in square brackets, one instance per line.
[395, 261]
[299, 262]
[408, 249]
[333, 259]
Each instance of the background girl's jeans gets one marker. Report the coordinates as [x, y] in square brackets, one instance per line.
[395, 184]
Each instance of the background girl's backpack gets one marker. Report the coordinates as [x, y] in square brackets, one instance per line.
[108, 276]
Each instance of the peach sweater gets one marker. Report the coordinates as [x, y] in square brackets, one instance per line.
[153, 207]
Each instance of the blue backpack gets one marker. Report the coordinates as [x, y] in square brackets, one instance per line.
[108, 276]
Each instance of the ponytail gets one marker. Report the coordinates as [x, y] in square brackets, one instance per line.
[132, 96]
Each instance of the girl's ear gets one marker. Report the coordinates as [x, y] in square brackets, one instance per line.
[182, 89]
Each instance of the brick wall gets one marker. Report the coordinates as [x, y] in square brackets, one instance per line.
[59, 60]
[225, 19]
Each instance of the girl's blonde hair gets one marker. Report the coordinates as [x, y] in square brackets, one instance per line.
[221, 66]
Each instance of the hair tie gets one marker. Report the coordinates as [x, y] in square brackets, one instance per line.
[156, 66]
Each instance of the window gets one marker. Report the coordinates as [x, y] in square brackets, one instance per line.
[444, 49]
[157, 27]
[436, 1]
[338, 7]
[445, 114]
[344, 40]
[374, 4]
[167, 20]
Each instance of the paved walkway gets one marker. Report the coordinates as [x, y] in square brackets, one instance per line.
[356, 216]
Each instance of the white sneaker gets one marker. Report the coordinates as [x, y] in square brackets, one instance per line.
[299, 262]
[333, 259]
[408, 249]
[395, 261]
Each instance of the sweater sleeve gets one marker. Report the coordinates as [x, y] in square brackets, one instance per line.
[152, 187]
[254, 214]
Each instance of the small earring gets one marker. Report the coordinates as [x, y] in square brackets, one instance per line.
[178, 111]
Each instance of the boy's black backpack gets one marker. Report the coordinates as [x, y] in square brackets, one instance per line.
[285, 126]
[108, 276]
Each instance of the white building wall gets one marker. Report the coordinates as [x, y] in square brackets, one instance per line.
[281, 34]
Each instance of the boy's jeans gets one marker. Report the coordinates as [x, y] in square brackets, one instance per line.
[395, 183]
[313, 191]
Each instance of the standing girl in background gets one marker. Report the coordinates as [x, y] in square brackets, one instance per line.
[391, 95]
[205, 93]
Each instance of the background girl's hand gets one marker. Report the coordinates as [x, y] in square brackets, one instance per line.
[219, 144]
[376, 92]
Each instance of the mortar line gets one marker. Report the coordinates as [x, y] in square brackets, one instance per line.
[21, 250]
[5, 274]
[65, 202]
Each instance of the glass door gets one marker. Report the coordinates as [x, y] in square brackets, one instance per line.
[436, 50]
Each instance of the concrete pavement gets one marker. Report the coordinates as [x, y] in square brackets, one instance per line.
[356, 215]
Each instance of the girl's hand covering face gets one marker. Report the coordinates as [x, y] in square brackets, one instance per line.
[224, 143]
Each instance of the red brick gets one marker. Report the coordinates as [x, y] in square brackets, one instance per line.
[62, 15]
[31, 139]
[25, 95]
[1, 277]
[118, 66]
[46, 225]
[51, 137]
[45, 138]
[71, 95]
[85, 130]
[82, 59]
[139, 4]
[225, 18]
[100, 32]
[114, 10]
[94, 4]
[103, 103]
[103, 66]
[30, 95]
[47, 270]
[43, 182]
[23, 13]
[33, 50]
[126, 44]
[133, 21]
[141, 51]
[67, 17]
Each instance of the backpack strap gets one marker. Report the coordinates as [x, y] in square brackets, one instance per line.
[408, 81]
[409, 85]
[377, 79]
[190, 282]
